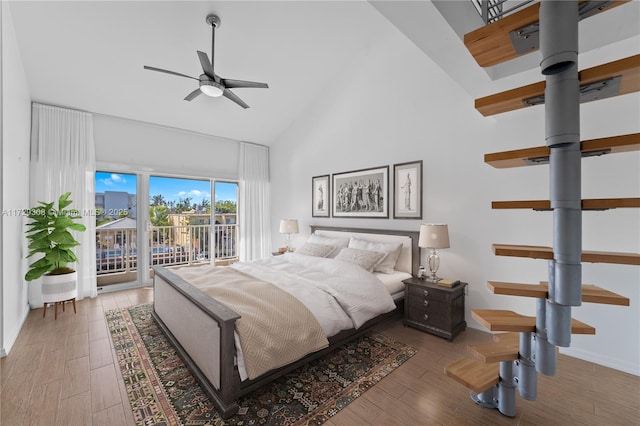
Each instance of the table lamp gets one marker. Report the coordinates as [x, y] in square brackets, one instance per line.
[289, 226]
[433, 236]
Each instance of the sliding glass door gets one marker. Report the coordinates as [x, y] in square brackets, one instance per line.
[161, 220]
[116, 228]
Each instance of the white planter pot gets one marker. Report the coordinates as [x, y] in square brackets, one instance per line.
[58, 288]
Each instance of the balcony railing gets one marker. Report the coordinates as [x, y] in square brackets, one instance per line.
[117, 253]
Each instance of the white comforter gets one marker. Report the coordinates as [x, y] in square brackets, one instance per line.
[339, 294]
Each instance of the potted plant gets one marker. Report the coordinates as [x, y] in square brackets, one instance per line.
[48, 235]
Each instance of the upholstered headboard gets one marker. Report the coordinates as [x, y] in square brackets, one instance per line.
[409, 259]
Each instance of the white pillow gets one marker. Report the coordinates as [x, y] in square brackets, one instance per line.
[338, 243]
[313, 249]
[391, 250]
[364, 258]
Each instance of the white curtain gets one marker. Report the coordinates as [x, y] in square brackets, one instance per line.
[254, 206]
[63, 160]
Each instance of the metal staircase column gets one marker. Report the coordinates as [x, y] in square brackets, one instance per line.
[527, 375]
[559, 48]
[544, 352]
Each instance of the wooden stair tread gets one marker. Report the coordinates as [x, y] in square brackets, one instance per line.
[490, 45]
[497, 351]
[590, 292]
[474, 374]
[511, 100]
[594, 294]
[523, 290]
[587, 204]
[503, 320]
[540, 252]
[540, 154]
[511, 337]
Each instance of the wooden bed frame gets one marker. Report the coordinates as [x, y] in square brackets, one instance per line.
[202, 329]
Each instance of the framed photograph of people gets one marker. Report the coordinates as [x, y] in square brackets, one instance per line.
[407, 190]
[320, 196]
[361, 193]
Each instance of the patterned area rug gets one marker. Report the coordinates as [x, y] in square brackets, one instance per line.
[162, 390]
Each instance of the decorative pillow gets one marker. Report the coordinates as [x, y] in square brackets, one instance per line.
[391, 250]
[364, 258]
[313, 249]
[338, 243]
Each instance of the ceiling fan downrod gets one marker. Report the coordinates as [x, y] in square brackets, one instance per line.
[214, 22]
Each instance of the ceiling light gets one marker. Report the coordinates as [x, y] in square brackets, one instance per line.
[211, 88]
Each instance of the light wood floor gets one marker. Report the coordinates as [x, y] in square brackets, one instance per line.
[65, 372]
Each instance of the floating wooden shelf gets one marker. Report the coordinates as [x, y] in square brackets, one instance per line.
[474, 374]
[497, 351]
[628, 69]
[590, 293]
[501, 320]
[539, 252]
[590, 204]
[491, 45]
[540, 155]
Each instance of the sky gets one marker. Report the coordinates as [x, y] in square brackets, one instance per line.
[173, 189]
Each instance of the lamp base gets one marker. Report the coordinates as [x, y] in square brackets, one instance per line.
[434, 263]
[432, 278]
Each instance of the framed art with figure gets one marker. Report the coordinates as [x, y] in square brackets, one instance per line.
[407, 190]
[361, 193]
[320, 196]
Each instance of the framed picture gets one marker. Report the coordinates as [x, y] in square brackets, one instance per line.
[407, 190]
[361, 193]
[320, 196]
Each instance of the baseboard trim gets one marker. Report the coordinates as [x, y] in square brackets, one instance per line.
[11, 341]
[606, 361]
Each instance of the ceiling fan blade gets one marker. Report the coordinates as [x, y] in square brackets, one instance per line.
[168, 72]
[240, 83]
[206, 65]
[193, 94]
[230, 95]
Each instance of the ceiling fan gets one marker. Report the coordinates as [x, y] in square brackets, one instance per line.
[210, 83]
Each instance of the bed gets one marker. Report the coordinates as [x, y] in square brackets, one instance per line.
[203, 329]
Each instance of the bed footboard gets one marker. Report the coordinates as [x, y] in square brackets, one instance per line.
[202, 330]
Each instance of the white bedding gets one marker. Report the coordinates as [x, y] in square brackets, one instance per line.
[393, 282]
[340, 295]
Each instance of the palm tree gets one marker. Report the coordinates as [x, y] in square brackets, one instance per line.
[158, 200]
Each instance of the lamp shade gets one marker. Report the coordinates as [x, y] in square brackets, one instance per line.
[434, 235]
[289, 226]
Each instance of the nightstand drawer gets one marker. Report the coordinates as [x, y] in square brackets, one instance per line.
[429, 292]
[429, 312]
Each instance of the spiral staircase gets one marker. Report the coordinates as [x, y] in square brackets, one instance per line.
[528, 345]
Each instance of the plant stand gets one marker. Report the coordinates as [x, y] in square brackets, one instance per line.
[55, 312]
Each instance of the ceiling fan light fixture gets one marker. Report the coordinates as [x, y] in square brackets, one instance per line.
[211, 88]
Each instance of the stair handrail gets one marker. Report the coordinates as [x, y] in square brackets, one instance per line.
[493, 10]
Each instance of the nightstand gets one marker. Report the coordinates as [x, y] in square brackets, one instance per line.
[435, 309]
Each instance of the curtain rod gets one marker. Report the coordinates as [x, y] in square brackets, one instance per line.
[162, 126]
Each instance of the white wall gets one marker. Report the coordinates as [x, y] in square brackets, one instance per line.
[127, 145]
[16, 122]
[395, 105]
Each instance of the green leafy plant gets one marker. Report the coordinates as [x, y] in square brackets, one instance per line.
[48, 234]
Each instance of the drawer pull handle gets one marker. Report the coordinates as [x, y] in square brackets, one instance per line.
[426, 317]
[426, 293]
[426, 303]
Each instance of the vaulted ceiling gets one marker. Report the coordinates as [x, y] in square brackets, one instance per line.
[89, 55]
